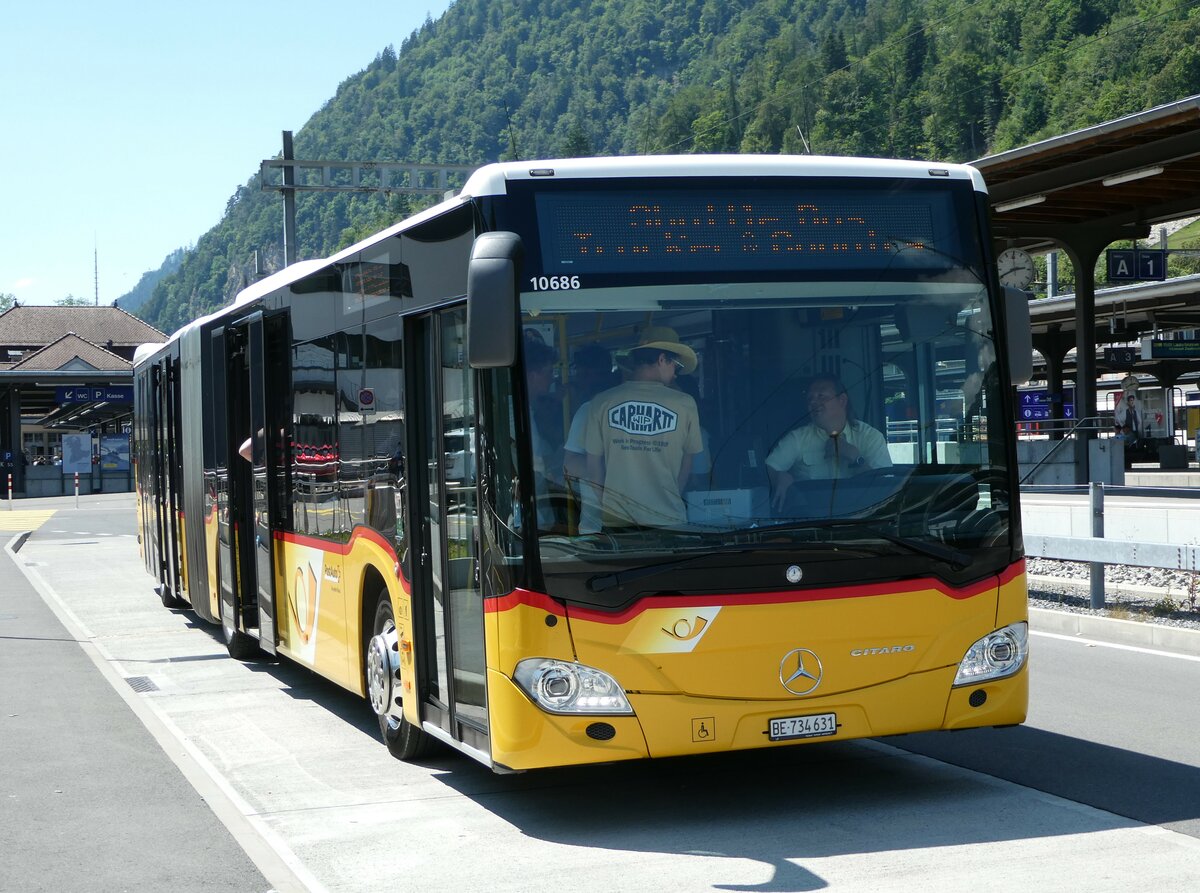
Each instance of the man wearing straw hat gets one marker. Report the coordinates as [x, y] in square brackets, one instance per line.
[643, 434]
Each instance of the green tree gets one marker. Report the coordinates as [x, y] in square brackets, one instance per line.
[576, 144]
[72, 301]
[6, 301]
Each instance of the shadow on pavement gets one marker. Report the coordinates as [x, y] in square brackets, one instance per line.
[1140, 787]
[784, 806]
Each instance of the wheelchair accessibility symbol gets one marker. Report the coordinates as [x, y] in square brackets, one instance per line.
[704, 729]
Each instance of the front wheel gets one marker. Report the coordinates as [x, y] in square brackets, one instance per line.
[382, 670]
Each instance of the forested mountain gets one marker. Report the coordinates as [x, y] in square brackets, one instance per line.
[141, 293]
[500, 79]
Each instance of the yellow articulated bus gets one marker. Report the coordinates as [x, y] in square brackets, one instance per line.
[608, 459]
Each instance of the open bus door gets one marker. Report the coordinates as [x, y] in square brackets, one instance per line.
[448, 603]
[164, 377]
[251, 357]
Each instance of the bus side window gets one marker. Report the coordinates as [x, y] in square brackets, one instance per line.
[383, 433]
[314, 408]
[350, 434]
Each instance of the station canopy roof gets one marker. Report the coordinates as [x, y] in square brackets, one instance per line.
[1119, 177]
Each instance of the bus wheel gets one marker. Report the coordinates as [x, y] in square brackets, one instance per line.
[382, 669]
[241, 646]
[169, 599]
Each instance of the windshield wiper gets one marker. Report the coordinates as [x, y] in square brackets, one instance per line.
[956, 558]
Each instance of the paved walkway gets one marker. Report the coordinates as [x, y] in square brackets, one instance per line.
[89, 800]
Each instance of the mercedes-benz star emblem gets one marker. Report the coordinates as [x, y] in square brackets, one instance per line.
[800, 671]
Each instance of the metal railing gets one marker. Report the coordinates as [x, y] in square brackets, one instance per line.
[1087, 423]
[1098, 551]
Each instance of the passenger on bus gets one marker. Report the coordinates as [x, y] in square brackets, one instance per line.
[539, 377]
[833, 445]
[592, 373]
[643, 435]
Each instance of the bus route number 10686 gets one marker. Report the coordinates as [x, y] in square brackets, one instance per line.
[554, 283]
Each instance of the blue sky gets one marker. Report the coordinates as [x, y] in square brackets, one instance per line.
[128, 125]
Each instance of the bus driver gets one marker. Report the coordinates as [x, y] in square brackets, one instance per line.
[832, 445]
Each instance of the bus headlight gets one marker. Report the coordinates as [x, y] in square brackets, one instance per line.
[561, 687]
[996, 655]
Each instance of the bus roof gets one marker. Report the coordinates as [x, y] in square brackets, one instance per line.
[492, 179]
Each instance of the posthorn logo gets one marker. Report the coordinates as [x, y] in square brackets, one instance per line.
[636, 417]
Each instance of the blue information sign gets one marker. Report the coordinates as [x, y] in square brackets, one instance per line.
[94, 394]
[1036, 405]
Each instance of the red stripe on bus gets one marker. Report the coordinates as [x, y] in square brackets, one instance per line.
[343, 549]
[1011, 572]
[525, 597]
[538, 600]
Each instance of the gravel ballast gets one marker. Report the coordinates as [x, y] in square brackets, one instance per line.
[1151, 595]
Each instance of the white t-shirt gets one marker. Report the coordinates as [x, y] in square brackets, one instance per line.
[802, 451]
[643, 429]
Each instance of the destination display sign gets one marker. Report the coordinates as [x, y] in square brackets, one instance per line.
[692, 229]
[1166, 350]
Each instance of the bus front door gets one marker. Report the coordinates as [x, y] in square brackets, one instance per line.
[448, 604]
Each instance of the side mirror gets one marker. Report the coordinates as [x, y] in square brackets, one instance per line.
[1020, 335]
[493, 317]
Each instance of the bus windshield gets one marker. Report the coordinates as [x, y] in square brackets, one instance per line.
[728, 371]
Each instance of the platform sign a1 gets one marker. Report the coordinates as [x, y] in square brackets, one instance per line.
[1152, 264]
[1136, 264]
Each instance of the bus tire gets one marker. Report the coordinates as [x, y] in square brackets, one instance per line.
[241, 646]
[169, 598]
[404, 740]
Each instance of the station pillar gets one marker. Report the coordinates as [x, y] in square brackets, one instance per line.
[10, 439]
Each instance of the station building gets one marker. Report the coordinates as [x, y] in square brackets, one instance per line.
[66, 397]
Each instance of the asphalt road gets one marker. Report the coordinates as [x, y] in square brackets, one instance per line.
[1099, 790]
[1109, 727]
